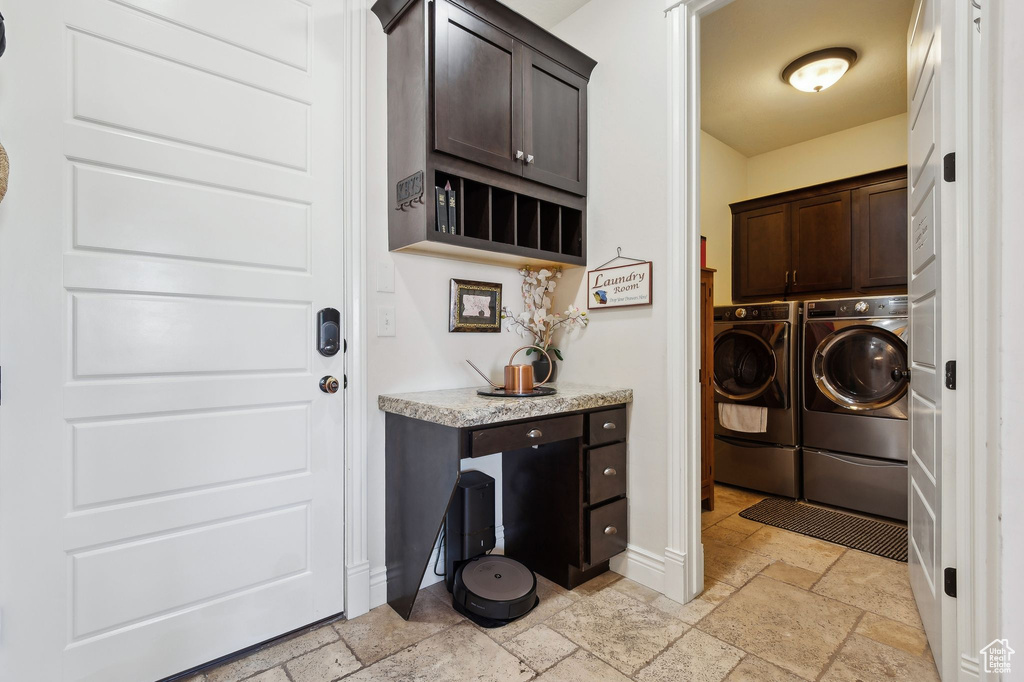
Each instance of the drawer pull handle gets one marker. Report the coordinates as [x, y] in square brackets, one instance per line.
[609, 426]
[534, 433]
[610, 530]
[610, 471]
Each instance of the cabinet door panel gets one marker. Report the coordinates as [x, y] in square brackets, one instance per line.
[761, 251]
[477, 90]
[822, 244]
[880, 235]
[554, 124]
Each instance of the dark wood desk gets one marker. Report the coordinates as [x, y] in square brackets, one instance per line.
[563, 478]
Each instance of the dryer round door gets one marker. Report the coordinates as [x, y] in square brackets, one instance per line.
[861, 368]
[745, 365]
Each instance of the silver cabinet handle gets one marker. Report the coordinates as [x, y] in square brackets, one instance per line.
[519, 154]
[529, 158]
[535, 433]
[609, 426]
[610, 472]
[610, 530]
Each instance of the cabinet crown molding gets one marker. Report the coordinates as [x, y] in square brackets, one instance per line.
[504, 18]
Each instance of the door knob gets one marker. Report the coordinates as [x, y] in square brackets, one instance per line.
[610, 530]
[519, 154]
[329, 384]
[900, 374]
[610, 471]
[608, 426]
[529, 158]
[534, 433]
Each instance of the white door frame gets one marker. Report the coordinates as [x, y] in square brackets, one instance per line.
[357, 561]
[975, 463]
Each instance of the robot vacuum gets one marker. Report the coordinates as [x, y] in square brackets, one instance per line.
[494, 590]
[490, 590]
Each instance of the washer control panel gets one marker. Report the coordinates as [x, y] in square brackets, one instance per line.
[875, 306]
[755, 312]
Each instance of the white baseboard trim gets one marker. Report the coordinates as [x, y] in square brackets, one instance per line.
[378, 586]
[642, 566]
[676, 588]
[357, 589]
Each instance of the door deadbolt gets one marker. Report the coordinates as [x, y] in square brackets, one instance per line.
[329, 384]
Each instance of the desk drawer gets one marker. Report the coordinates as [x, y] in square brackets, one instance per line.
[606, 473]
[609, 531]
[606, 426]
[516, 436]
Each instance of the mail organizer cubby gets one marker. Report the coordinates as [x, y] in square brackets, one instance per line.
[486, 102]
[491, 217]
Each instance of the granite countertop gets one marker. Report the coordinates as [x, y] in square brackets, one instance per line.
[462, 407]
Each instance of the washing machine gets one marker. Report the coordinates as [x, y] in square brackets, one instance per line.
[755, 367]
[855, 370]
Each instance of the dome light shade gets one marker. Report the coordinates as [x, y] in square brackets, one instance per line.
[819, 70]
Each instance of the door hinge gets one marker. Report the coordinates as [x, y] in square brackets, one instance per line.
[949, 167]
[951, 375]
[949, 582]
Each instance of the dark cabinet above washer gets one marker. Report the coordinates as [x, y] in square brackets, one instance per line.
[840, 238]
[484, 100]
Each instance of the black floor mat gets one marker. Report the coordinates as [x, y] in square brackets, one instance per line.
[868, 535]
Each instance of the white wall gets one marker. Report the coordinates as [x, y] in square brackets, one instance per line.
[873, 146]
[628, 208]
[723, 181]
[1005, 22]
[423, 355]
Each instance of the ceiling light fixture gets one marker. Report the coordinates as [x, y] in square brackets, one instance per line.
[818, 70]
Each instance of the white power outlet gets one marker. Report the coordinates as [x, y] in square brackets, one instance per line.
[386, 321]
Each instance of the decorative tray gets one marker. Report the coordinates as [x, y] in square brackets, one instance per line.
[500, 392]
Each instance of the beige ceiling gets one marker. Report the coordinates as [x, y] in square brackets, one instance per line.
[746, 44]
[545, 13]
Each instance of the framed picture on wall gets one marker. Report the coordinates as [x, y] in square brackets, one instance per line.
[474, 306]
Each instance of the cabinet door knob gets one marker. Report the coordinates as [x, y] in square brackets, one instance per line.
[610, 530]
[529, 158]
[609, 426]
[610, 471]
[519, 154]
[534, 433]
[794, 277]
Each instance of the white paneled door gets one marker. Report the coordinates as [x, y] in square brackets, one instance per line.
[931, 215]
[171, 475]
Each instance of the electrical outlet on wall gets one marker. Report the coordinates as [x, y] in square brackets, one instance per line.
[386, 321]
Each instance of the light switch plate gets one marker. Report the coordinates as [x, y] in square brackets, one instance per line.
[386, 277]
[386, 321]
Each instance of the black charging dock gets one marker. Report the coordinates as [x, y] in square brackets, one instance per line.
[490, 590]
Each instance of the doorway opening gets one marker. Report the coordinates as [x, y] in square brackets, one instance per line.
[808, 193]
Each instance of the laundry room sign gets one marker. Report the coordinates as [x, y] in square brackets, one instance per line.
[620, 286]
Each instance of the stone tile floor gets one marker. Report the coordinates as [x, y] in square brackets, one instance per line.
[777, 606]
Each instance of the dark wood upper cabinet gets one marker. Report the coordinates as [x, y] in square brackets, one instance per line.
[761, 251]
[880, 226]
[821, 244]
[477, 90]
[554, 123]
[484, 100]
[834, 239]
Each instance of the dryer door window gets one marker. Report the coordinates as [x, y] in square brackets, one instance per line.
[745, 365]
[861, 368]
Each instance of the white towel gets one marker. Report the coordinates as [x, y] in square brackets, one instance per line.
[743, 417]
